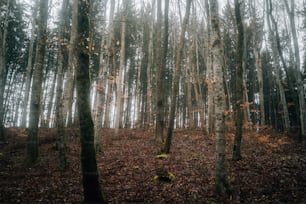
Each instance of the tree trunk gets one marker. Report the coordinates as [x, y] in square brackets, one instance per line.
[222, 185]
[60, 124]
[239, 84]
[3, 39]
[100, 91]
[29, 68]
[91, 186]
[300, 88]
[160, 102]
[110, 59]
[209, 77]
[277, 54]
[69, 81]
[176, 78]
[119, 79]
[32, 143]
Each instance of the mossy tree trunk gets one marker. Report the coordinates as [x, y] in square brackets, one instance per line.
[32, 143]
[91, 186]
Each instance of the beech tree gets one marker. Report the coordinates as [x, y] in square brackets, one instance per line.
[3, 54]
[175, 87]
[239, 83]
[91, 185]
[222, 185]
[35, 103]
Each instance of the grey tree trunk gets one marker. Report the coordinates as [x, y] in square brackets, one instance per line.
[35, 103]
[222, 185]
[297, 64]
[277, 55]
[209, 76]
[60, 123]
[100, 90]
[119, 79]
[110, 64]
[29, 68]
[176, 78]
[69, 81]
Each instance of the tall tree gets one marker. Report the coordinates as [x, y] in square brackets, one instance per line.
[297, 65]
[176, 79]
[222, 185]
[278, 56]
[119, 79]
[35, 103]
[3, 54]
[160, 106]
[239, 83]
[91, 186]
[60, 124]
[29, 67]
[69, 82]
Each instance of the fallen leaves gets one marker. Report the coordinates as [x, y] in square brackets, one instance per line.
[272, 169]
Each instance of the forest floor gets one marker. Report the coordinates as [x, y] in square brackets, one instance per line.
[273, 169]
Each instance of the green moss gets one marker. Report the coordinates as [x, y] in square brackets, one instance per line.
[162, 156]
[164, 176]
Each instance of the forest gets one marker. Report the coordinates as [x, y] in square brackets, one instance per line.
[152, 101]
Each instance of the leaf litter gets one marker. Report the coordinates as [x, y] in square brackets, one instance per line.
[272, 169]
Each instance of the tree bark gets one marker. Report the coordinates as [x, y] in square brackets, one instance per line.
[119, 79]
[239, 84]
[3, 39]
[29, 68]
[35, 104]
[176, 78]
[60, 124]
[69, 81]
[91, 186]
[222, 185]
[160, 102]
[277, 55]
[297, 66]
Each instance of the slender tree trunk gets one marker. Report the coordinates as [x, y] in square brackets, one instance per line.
[161, 66]
[100, 90]
[29, 68]
[110, 59]
[69, 81]
[60, 124]
[91, 186]
[277, 54]
[119, 79]
[32, 143]
[239, 84]
[150, 60]
[209, 77]
[300, 88]
[176, 78]
[3, 39]
[222, 185]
